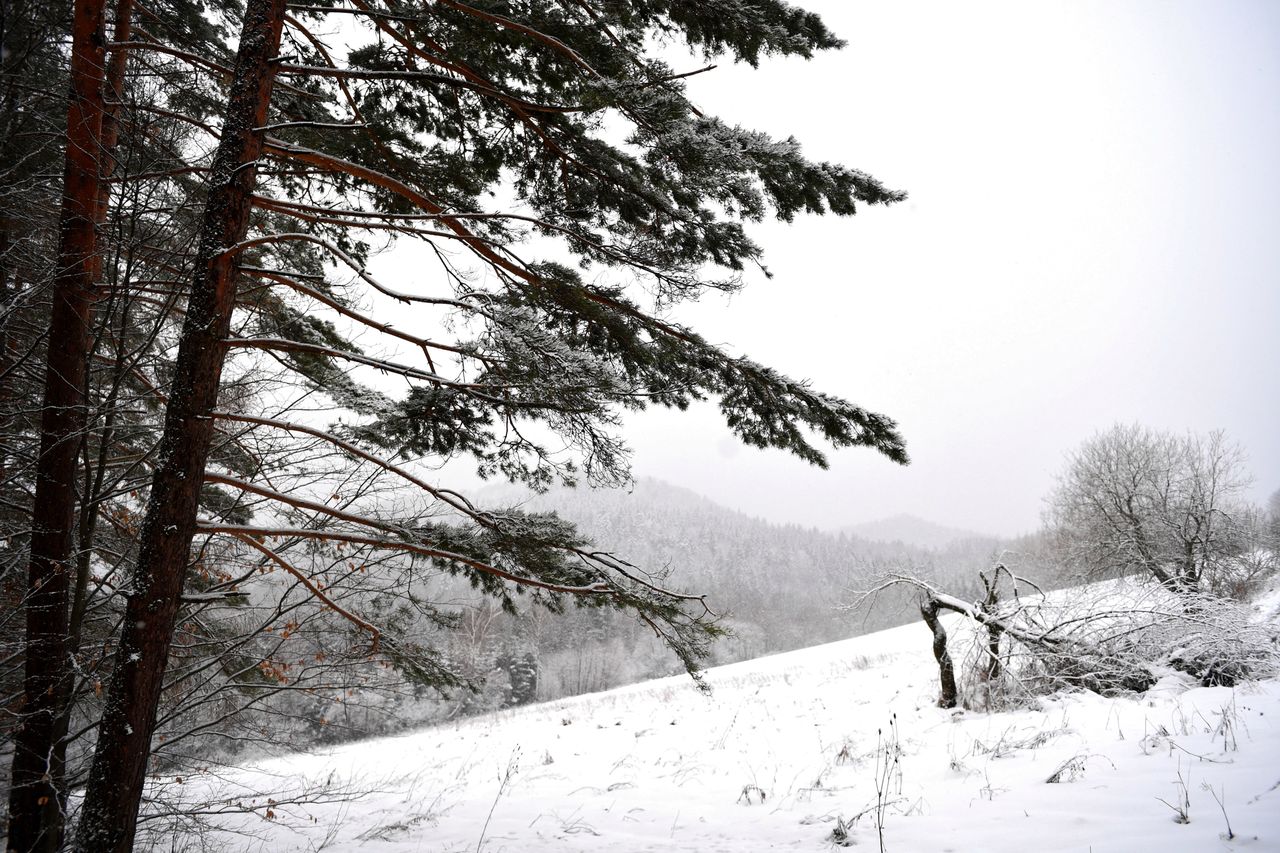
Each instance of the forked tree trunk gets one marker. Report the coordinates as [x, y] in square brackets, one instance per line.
[109, 816]
[35, 799]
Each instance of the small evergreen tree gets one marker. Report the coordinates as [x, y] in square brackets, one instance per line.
[524, 678]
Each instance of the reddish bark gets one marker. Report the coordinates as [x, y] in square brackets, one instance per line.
[35, 799]
[116, 68]
[114, 791]
[88, 503]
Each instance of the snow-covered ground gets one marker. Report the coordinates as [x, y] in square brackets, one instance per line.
[785, 751]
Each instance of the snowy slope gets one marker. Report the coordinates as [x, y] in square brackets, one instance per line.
[783, 748]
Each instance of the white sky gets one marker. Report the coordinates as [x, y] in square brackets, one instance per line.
[1093, 236]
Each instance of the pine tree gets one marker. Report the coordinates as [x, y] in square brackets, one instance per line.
[36, 803]
[407, 137]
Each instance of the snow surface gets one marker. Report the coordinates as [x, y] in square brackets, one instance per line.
[784, 747]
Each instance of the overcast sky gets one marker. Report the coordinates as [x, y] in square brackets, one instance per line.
[1092, 236]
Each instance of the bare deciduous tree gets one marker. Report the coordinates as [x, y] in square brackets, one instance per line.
[1133, 500]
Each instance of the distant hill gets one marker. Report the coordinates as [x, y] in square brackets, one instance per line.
[915, 532]
[776, 587]
[779, 584]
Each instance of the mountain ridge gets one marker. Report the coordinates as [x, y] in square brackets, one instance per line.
[914, 531]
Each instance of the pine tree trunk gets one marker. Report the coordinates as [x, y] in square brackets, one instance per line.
[35, 801]
[88, 509]
[114, 791]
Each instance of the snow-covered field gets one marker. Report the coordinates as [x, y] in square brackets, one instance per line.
[787, 750]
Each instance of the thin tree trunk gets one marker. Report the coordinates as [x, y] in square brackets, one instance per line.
[114, 791]
[35, 801]
[7, 339]
[946, 670]
[995, 629]
[88, 509]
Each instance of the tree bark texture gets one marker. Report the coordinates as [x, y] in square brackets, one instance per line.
[114, 791]
[35, 801]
